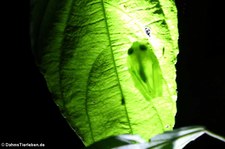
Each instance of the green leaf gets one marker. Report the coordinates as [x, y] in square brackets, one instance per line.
[81, 48]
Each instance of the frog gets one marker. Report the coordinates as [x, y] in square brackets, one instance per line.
[145, 70]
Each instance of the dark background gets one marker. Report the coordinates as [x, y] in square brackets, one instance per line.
[200, 69]
[29, 115]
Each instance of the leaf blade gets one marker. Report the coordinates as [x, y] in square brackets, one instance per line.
[83, 58]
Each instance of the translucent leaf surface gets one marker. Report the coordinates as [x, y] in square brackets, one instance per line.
[81, 49]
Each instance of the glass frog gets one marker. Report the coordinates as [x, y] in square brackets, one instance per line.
[145, 70]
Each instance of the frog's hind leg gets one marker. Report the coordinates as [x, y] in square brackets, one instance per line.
[157, 82]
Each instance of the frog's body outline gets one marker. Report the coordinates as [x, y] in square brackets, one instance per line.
[145, 70]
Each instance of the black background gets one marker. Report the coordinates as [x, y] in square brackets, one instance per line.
[29, 115]
[200, 69]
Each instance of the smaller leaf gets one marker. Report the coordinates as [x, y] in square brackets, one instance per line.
[176, 139]
[131, 138]
[116, 141]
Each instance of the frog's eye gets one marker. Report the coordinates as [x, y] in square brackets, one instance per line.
[143, 47]
[130, 51]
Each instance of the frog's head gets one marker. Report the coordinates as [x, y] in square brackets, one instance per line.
[137, 46]
[139, 50]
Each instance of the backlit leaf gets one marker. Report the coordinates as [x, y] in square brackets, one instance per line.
[81, 48]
